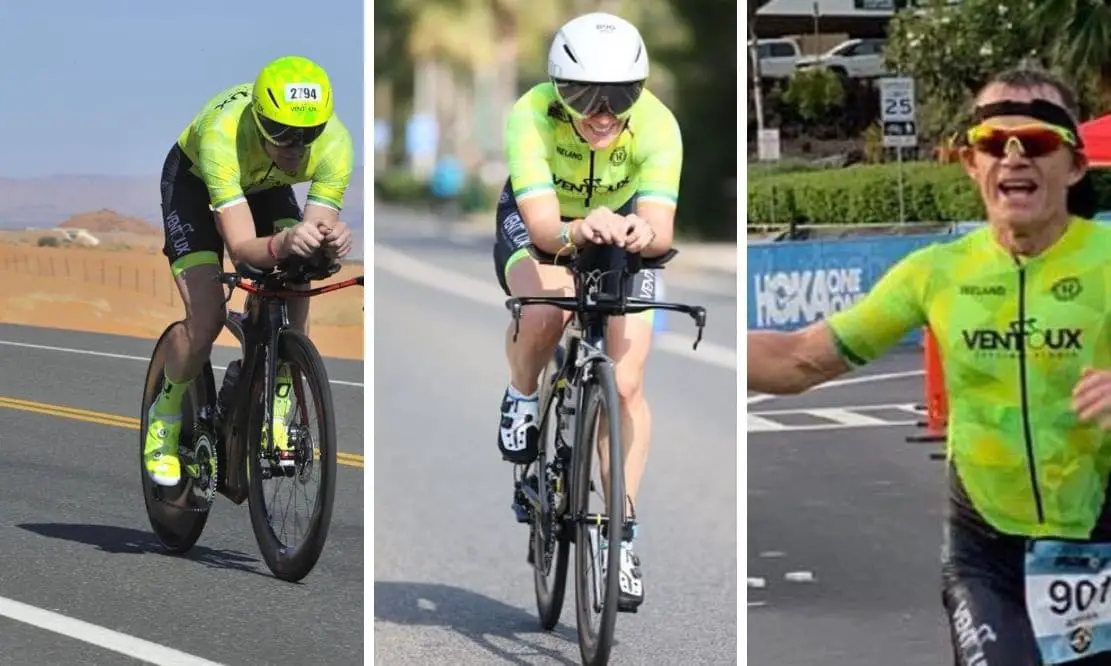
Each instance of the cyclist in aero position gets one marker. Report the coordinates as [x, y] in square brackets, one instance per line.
[594, 158]
[227, 181]
[1020, 312]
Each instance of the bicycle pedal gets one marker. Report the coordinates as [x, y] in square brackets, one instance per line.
[521, 513]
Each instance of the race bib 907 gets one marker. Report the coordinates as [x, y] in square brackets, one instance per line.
[1068, 599]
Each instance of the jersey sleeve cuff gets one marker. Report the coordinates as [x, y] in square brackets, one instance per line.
[844, 350]
[228, 203]
[326, 203]
[532, 191]
[656, 196]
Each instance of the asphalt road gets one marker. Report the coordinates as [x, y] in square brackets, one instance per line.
[451, 583]
[857, 508]
[75, 540]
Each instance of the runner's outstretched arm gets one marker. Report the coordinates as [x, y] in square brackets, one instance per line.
[784, 363]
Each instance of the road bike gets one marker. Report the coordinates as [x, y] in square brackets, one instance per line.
[227, 443]
[577, 390]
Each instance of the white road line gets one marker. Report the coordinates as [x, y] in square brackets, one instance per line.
[92, 634]
[902, 406]
[760, 424]
[126, 357]
[481, 291]
[845, 417]
[838, 426]
[848, 381]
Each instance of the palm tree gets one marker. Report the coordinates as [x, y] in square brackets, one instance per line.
[1079, 32]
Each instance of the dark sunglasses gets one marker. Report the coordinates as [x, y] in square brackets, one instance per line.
[583, 100]
[286, 136]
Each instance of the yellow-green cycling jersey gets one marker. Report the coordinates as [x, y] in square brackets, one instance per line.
[546, 154]
[227, 153]
[1015, 335]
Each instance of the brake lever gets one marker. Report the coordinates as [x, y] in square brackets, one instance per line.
[699, 315]
[514, 306]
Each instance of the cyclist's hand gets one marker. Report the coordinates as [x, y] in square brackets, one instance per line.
[337, 240]
[1091, 398]
[596, 228]
[640, 234]
[302, 239]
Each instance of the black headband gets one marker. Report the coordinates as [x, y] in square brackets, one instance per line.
[1039, 109]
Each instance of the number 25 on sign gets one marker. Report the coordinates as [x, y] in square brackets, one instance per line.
[897, 99]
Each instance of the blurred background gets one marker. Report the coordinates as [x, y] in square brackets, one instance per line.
[446, 73]
[451, 578]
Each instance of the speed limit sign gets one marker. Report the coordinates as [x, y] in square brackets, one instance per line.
[897, 99]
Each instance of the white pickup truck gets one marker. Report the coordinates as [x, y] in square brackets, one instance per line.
[853, 58]
[777, 57]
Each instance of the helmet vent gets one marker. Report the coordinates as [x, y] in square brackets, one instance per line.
[640, 49]
[567, 50]
[272, 98]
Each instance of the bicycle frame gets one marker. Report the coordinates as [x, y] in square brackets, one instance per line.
[585, 334]
[257, 330]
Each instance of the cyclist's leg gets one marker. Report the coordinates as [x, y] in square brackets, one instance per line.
[539, 333]
[195, 253]
[273, 210]
[984, 597]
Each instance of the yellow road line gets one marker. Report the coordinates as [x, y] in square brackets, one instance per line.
[119, 421]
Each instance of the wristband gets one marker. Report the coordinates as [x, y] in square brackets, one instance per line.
[270, 247]
[565, 234]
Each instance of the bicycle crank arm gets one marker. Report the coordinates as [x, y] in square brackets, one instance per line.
[531, 495]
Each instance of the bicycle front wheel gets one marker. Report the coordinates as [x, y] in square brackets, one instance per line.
[597, 550]
[278, 476]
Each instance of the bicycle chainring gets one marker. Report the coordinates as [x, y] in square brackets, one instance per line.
[200, 469]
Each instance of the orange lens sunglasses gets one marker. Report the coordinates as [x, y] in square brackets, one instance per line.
[1036, 140]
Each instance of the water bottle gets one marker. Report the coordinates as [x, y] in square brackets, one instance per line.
[227, 390]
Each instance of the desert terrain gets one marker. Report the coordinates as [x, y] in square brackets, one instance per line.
[104, 273]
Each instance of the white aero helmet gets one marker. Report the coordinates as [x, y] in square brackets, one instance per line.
[598, 62]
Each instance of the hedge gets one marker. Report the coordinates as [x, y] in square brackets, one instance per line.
[869, 194]
[402, 187]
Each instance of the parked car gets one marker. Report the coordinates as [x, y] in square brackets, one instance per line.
[777, 57]
[853, 58]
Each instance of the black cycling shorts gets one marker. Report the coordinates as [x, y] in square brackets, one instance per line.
[984, 593]
[511, 243]
[189, 223]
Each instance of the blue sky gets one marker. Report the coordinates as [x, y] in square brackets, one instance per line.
[105, 87]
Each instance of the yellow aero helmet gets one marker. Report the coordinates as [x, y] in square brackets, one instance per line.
[292, 101]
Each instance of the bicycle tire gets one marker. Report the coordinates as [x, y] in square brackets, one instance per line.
[177, 530]
[549, 598]
[285, 564]
[599, 396]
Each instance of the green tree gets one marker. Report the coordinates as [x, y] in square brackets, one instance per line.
[813, 92]
[1078, 33]
[952, 50]
[706, 89]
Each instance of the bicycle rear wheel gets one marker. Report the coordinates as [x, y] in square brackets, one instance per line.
[293, 561]
[176, 516]
[550, 543]
[593, 593]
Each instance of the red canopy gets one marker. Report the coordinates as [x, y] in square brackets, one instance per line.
[1096, 134]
